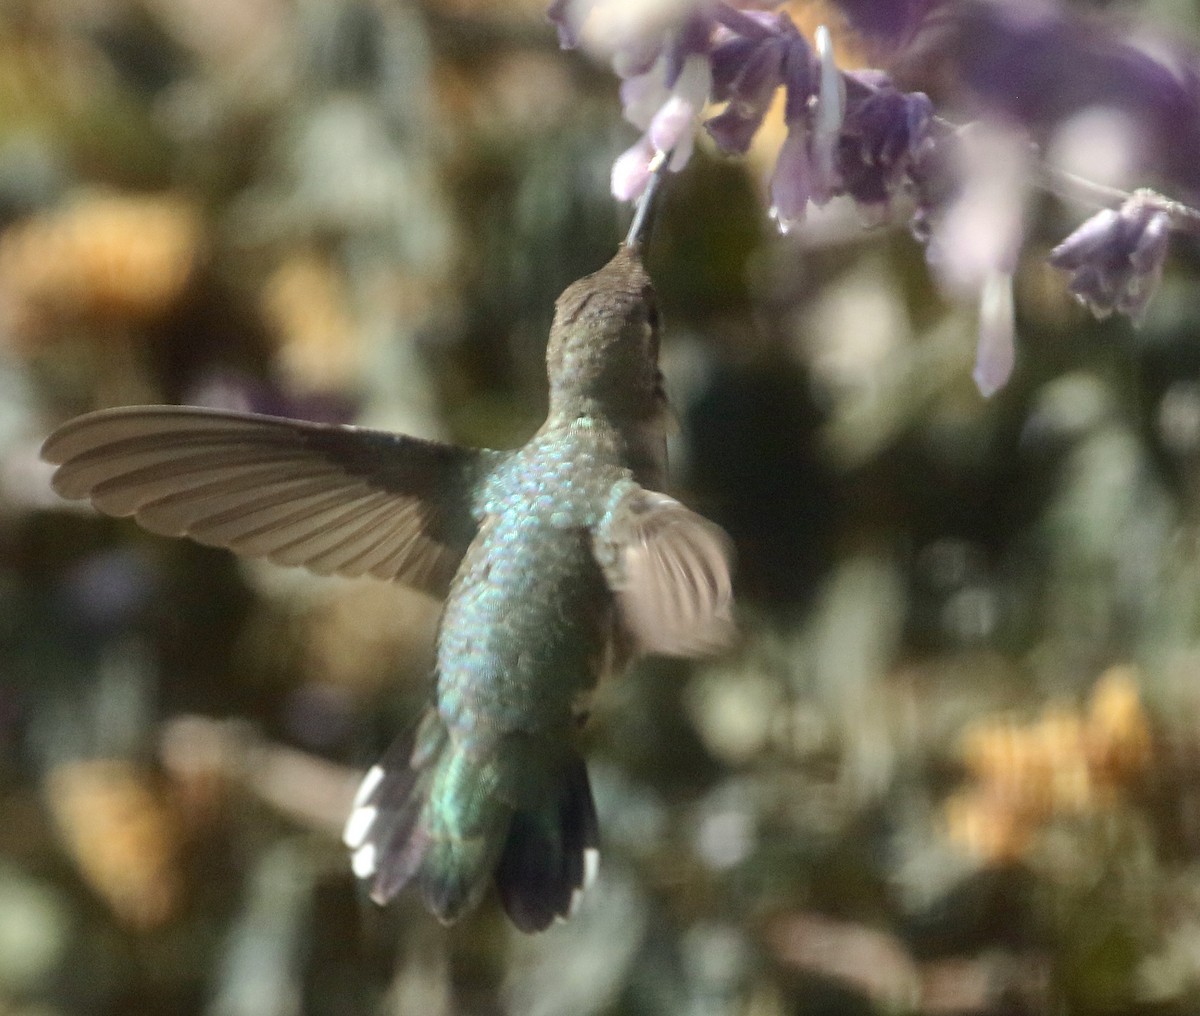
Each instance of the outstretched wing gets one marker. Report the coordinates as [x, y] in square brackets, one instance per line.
[670, 571]
[332, 499]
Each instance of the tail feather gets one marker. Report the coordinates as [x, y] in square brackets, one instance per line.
[399, 851]
[435, 814]
[550, 855]
[454, 873]
[383, 827]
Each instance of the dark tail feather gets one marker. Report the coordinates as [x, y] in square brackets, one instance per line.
[550, 855]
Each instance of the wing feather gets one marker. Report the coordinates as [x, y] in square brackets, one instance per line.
[178, 511]
[355, 539]
[670, 571]
[337, 500]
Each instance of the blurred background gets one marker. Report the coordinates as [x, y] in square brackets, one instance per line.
[953, 765]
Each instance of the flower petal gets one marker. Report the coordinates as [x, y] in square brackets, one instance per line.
[1116, 256]
[678, 115]
[830, 114]
[1091, 237]
[791, 183]
[671, 123]
[996, 353]
[643, 95]
[566, 17]
[631, 171]
[982, 229]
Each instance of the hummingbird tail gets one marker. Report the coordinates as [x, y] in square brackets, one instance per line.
[551, 854]
[434, 814]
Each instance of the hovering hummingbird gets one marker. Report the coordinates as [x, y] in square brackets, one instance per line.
[559, 562]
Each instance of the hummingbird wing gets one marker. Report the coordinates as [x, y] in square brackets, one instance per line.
[333, 499]
[670, 570]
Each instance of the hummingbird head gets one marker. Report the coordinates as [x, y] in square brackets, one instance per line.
[604, 341]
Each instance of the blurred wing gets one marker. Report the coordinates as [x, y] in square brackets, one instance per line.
[333, 499]
[670, 571]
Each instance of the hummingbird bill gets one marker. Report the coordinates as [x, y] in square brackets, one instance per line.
[559, 562]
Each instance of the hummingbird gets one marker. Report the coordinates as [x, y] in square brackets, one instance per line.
[559, 562]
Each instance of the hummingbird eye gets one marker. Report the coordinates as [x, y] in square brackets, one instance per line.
[652, 340]
[652, 322]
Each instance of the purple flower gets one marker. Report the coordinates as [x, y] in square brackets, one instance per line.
[1116, 257]
[755, 56]
[747, 70]
[667, 109]
[668, 78]
[1022, 63]
[884, 138]
[852, 134]
[805, 169]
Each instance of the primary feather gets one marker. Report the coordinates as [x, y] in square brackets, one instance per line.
[336, 500]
